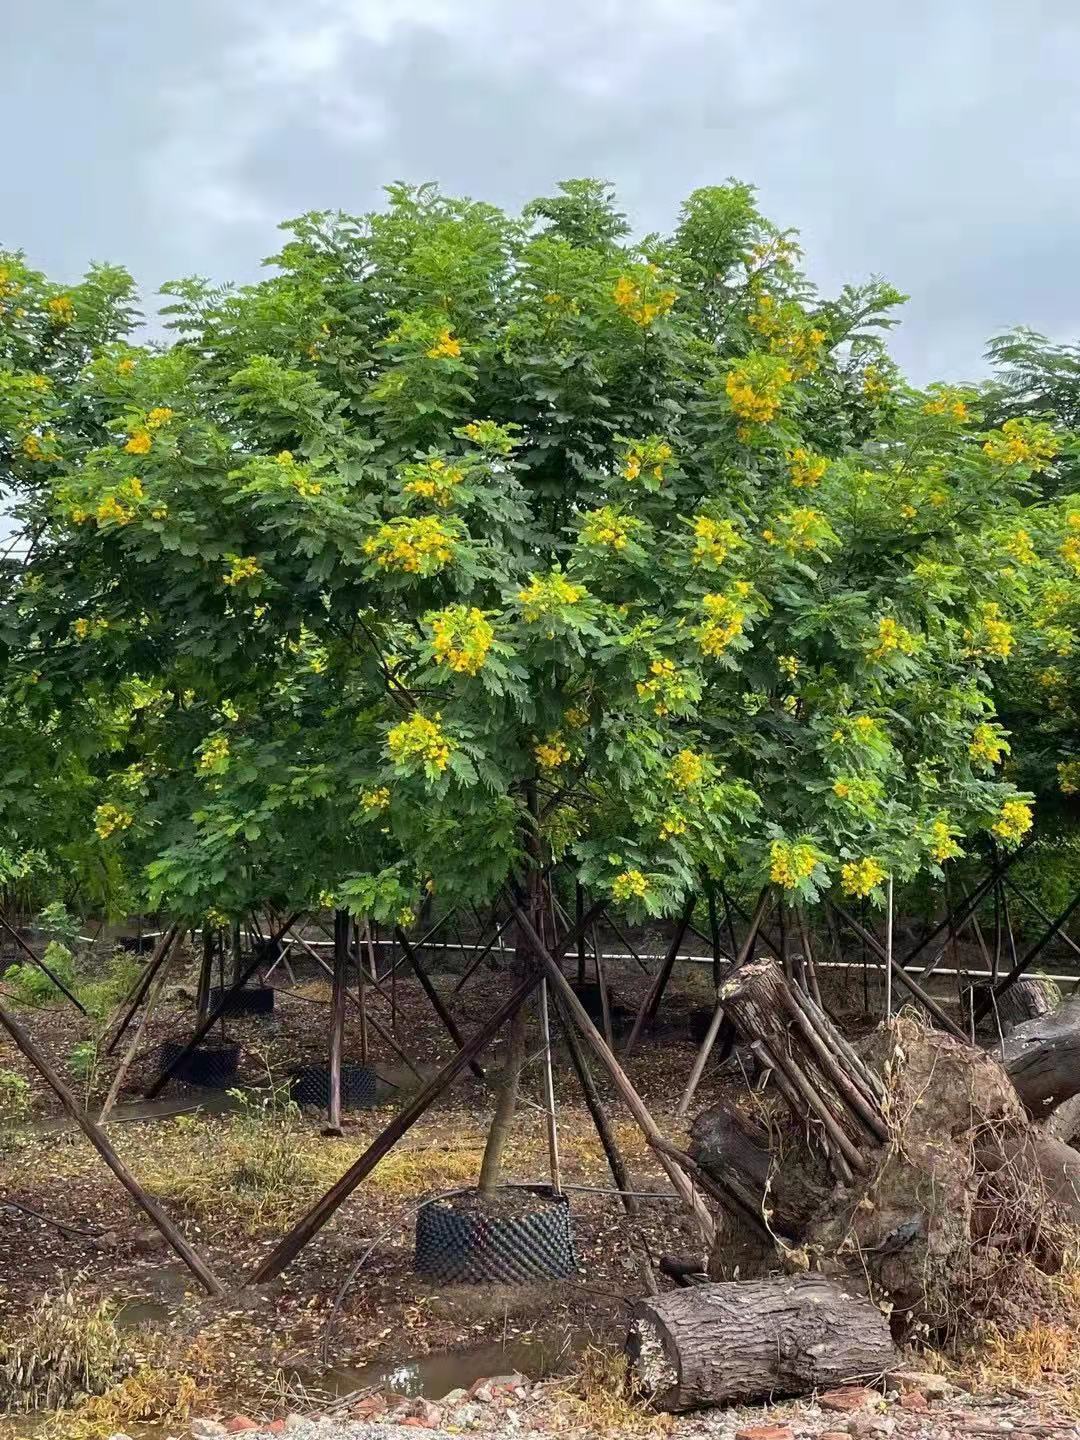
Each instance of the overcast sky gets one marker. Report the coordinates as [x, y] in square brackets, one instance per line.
[934, 142]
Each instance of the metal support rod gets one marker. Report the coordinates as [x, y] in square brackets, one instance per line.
[42, 966]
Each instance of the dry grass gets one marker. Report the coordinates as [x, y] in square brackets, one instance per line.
[601, 1397]
[1042, 1355]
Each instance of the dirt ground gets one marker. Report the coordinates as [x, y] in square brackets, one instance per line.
[234, 1185]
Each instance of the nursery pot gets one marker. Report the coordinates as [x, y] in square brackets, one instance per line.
[311, 1086]
[516, 1235]
[212, 1066]
[259, 1000]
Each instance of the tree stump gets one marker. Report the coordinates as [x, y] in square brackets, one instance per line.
[1042, 1059]
[1028, 999]
[825, 1084]
[717, 1344]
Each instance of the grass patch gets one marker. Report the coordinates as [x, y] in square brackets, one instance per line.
[601, 1397]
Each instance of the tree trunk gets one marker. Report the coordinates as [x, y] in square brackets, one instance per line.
[337, 1015]
[714, 1344]
[1042, 1059]
[1029, 999]
[505, 1105]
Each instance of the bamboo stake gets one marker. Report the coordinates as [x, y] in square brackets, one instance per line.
[651, 1003]
[889, 951]
[133, 1049]
[434, 997]
[549, 1094]
[706, 1047]
[134, 998]
[619, 1078]
[337, 1015]
[290, 1245]
[102, 1145]
[616, 1164]
[41, 965]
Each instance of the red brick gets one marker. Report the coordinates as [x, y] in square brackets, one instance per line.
[766, 1432]
[239, 1423]
[914, 1400]
[848, 1399]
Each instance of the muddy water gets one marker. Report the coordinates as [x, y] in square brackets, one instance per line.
[435, 1375]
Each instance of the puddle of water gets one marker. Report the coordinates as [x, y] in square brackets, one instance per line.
[435, 1375]
[214, 1102]
[134, 1314]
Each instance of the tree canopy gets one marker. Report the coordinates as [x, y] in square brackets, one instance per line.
[465, 533]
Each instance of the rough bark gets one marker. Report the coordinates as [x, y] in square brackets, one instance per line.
[717, 1344]
[1042, 1059]
[505, 1105]
[1029, 999]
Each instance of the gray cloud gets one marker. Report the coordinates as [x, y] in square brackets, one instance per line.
[930, 143]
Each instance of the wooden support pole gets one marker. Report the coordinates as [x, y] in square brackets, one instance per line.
[206, 973]
[620, 934]
[998, 868]
[133, 1049]
[549, 1095]
[478, 960]
[290, 1245]
[41, 965]
[616, 1163]
[579, 910]
[134, 998]
[1040, 913]
[102, 1145]
[651, 1003]
[705, 1049]
[573, 1006]
[899, 973]
[1031, 955]
[337, 1015]
[361, 986]
[434, 997]
[714, 932]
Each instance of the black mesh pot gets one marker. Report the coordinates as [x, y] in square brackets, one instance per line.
[212, 1066]
[359, 1085]
[466, 1246]
[257, 1001]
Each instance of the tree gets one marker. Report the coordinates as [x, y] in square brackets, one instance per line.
[458, 508]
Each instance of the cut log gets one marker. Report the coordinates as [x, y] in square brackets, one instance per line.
[1042, 1059]
[718, 1344]
[1028, 999]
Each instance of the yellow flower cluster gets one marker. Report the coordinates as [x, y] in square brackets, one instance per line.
[415, 547]
[946, 401]
[714, 540]
[108, 819]
[577, 717]
[1018, 545]
[461, 638]
[607, 529]
[941, 842]
[686, 770]
[630, 885]
[375, 800]
[806, 469]
[863, 728]
[419, 741]
[755, 388]
[552, 752]
[125, 367]
[214, 756]
[139, 442]
[892, 638]
[241, 569]
[665, 689]
[801, 529]
[643, 303]
[159, 416]
[61, 309]
[1070, 546]
[445, 346]
[859, 877]
[490, 435]
[874, 384]
[1013, 821]
[995, 636]
[788, 333]
[1069, 777]
[547, 596]
[791, 862]
[788, 665]
[33, 448]
[724, 621]
[435, 481]
[986, 745]
[1022, 442]
[646, 457]
[110, 511]
[862, 793]
[672, 825]
[84, 629]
